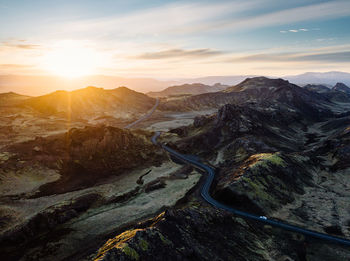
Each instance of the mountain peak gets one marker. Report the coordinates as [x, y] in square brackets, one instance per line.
[258, 83]
[341, 87]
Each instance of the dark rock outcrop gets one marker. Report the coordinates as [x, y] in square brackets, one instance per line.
[86, 156]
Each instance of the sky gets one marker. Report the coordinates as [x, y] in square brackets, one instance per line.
[173, 39]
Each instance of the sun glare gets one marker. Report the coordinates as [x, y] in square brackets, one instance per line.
[71, 60]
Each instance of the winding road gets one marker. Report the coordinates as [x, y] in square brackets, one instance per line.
[205, 194]
[144, 117]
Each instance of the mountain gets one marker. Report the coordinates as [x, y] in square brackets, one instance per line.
[257, 90]
[330, 78]
[39, 85]
[92, 101]
[326, 78]
[339, 93]
[11, 98]
[317, 88]
[192, 89]
[341, 87]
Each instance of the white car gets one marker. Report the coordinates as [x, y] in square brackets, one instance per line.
[263, 217]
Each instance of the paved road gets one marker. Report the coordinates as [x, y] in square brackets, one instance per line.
[144, 117]
[205, 194]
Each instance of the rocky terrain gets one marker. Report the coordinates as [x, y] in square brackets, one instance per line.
[279, 151]
[90, 191]
[338, 93]
[61, 195]
[317, 88]
[258, 89]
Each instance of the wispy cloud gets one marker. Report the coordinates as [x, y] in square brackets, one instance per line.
[338, 57]
[20, 44]
[298, 30]
[166, 19]
[179, 53]
[312, 12]
[335, 56]
[326, 39]
[188, 18]
[15, 66]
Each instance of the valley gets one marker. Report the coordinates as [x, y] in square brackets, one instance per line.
[85, 188]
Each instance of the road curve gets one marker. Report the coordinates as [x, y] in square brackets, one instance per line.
[144, 117]
[205, 194]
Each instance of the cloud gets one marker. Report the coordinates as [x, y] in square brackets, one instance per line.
[320, 11]
[20, 45]
[298, 30]
[325, 39]
[179, 53]
[337, 57]
[174, 18]
[263, 57]
[26, 46]
[15, 66]
[189, 18]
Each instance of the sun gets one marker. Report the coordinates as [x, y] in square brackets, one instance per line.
[71, 60]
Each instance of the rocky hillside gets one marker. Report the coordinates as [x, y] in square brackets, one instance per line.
[191, 89]
[11, 99]
[341, 87]
[23, 117]
[317, 88]
[272, 159]
[92, 101]
[82, 184]
[86, 156]
[258, 90]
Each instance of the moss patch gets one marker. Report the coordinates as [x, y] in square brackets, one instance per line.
[143, 244]
[130, 252]
[164, 239]
[265, 160]
[118, 242]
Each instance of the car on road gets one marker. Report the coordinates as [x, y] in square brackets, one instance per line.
[263, 217]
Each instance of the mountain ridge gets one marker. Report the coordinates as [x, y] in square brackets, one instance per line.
[190, 89]
[91, 101]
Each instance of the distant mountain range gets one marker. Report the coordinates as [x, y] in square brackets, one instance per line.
[328, 78]
[192, 89]
[39, 85]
